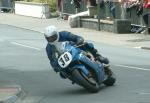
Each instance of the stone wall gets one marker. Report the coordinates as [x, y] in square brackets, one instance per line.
[117, 26]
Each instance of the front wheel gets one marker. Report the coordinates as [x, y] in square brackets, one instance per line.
[89, 83]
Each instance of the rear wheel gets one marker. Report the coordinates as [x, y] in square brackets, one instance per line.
[110, 77]
[87, 82]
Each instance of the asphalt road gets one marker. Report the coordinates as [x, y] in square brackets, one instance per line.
[23, 61]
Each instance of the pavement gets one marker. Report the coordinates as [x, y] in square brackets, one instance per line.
[9, 91]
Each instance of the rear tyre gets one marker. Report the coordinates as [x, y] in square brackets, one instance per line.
[110, 80]
[88, 83]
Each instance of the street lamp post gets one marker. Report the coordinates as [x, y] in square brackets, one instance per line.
[98, 14]
[13, 6]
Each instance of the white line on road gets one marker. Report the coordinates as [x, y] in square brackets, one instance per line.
[138, 47]
[15, 43]
[131, 67]
[144, 93]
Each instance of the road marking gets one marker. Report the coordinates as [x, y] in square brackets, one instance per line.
[142, 47]
[138, 47]
[131, 67]
[15, 43]
[144, 93]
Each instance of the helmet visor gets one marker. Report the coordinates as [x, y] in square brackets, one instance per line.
[52, 38]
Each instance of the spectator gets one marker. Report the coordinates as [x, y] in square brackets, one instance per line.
[146, 16]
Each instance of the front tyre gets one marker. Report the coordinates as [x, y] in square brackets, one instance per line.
[89, 83]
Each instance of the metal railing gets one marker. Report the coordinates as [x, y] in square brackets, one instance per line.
[111, 11]
[7, 5]
[70, 8]
[118, 14]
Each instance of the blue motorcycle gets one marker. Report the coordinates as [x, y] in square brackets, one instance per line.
[81, 68]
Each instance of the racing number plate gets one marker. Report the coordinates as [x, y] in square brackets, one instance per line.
[65, 59]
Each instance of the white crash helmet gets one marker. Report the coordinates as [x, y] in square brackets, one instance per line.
[51, 33]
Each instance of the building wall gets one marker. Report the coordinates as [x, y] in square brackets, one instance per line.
[38, 10]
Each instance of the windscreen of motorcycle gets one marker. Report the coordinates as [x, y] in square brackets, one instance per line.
[60, 46]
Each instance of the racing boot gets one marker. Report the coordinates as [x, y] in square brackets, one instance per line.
[101, 59]
[107, 70]
[105, 62]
